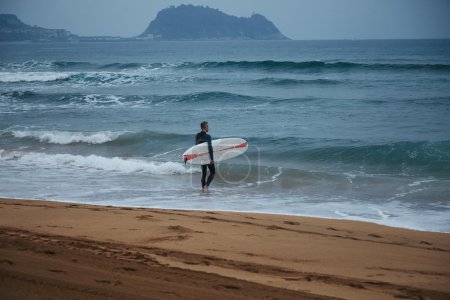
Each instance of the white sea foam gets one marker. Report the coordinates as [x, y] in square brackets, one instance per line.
[341, 214]
[381, 213]
[102, 99]
[33, 76]
[84, 78]
[419, 182]
[167, 152]
[273, 178]
[92, 78]
[27, 65]
[68, 137]
[405, 193]
[93, 162]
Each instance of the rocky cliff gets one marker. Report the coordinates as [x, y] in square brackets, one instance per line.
[188, 22]
[13, 29]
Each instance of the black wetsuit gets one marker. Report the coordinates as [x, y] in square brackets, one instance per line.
[203, 137]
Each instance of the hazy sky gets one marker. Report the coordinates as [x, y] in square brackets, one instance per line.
[297, 19]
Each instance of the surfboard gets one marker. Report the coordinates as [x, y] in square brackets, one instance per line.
[223, 149]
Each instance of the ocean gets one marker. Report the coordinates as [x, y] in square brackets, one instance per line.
[353, 129]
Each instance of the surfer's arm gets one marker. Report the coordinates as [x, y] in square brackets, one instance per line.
[196, 140]
[210, 148]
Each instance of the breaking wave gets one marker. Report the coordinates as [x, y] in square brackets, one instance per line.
[294, 82]
[67, 137]
[94, 162]
[268, 65]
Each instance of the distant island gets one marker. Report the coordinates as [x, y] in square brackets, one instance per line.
[13, 29]
[189, 22]
[185, 22]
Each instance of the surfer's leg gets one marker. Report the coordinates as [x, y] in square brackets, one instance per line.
[203, 175]
[212, 172]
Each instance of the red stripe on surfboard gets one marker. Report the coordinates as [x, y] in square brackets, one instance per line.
[192, 156]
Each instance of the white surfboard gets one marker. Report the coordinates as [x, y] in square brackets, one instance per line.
[222, 149]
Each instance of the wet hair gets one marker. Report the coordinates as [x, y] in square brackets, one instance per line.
[203, 124]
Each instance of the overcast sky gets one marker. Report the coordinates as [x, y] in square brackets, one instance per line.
[297, 19]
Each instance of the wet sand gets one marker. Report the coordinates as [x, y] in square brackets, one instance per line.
[75, 251]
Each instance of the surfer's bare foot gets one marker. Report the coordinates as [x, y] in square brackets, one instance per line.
[205, 189]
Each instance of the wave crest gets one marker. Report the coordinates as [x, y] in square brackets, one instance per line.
[271, 65]
[268, 65]
[115, 138]
[125, 165]
[67, 137]
[293, 82]
[33, 76]
[422, 156]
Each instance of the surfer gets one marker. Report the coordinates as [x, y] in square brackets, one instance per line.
[203, 137]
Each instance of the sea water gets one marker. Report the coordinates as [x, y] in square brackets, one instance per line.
[337, 129]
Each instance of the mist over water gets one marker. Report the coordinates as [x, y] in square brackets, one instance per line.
[338, 129]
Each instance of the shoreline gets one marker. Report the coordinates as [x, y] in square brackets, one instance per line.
[53, 248]
[350, 219]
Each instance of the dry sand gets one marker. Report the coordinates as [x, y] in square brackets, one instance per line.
[51, 250]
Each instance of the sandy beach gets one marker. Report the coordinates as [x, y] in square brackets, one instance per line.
[74, 251]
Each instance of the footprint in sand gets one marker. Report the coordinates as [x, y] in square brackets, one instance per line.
[375, 235]
[291, 223]
[7, 262]
[229, 286]
[103, 281]
[180, 229]
[274, 227]
[425, 243]
[49, 252]
[176, 238]
[57, 271]
[145, 218]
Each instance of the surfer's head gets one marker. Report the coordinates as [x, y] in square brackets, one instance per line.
[204, 126]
